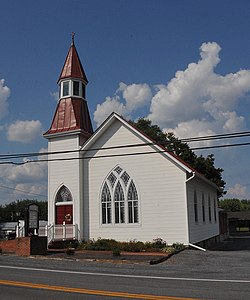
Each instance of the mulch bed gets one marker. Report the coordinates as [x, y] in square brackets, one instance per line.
[124, 257]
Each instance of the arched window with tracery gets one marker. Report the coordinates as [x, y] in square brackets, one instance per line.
[132, 203]
[119, 204]
[119, 199]
[63, 195]
[106, 205]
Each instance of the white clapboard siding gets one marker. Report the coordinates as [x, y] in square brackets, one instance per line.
[65, 172]
[202, 230]
[159, 182]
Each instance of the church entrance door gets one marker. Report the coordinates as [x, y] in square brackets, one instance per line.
[64, 213]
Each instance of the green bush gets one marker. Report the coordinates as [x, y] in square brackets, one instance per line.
[100, 245]
[116, 252]
[70, 251]
[173, 248]
[169, 249]
[178, 246]
[131, 246]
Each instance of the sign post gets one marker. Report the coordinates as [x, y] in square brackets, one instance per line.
[32, 220]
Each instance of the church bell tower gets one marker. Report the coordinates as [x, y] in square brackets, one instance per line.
[70, 128]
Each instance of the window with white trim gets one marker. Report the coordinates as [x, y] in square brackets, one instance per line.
[119, 199]
[63, 195]
[209, 209]
[106, 205]
[119, 204]
[65, 88]
[195, 207]
[132, 203]
[203, 208]
[215, 210]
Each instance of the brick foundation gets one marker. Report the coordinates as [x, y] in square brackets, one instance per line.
[25, 246]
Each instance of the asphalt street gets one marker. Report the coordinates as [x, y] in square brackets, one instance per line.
[221, 273]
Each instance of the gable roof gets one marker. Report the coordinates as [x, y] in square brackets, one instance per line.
[114, 116]
[159, 148]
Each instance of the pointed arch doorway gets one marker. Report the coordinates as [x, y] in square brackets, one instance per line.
[63, 206]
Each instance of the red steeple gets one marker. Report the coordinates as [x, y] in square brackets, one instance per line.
[72, 67]
[72, 112]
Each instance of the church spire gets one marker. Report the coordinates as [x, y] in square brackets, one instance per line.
[72, 67]
[72, 112]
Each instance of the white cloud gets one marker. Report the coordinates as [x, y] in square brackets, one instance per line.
[28, 177]
[237, 191]
[197, 101]
[127, 100]
[27, 172]
[24, 131]
[4, 95]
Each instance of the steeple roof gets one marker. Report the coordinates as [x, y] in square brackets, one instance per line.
[72, 114]
[72, 66]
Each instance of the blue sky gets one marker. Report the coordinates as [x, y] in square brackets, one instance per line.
[183, 64]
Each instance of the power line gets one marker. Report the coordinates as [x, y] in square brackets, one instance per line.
[217, 136]
[22, 191]
[194, 139]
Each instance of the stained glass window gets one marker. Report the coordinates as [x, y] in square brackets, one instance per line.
[119, 204]
[63, 195]
[132, 204]
[112, 179]
[125, 177]
[119, 199]
[118, 169]
[106, 205]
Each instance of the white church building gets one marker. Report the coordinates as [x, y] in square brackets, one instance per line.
[116, 182]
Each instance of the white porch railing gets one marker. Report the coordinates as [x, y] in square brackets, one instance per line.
[54, 232]
[62, 232]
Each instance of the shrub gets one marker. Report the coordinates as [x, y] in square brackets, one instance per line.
[70, 251]
[100, 244]
[178, 246]
[116, 252]
[169, 249]
[133, 246]
[174, 248]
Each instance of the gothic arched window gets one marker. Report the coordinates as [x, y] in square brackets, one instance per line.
[132, 203]
[63, 195]
[119, 199]
[106, 205]
[119, 204]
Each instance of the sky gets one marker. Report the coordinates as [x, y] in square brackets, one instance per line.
[185, 65]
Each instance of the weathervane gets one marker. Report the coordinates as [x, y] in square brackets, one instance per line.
[73, 38]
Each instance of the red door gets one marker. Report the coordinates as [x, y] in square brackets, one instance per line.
[64, 213]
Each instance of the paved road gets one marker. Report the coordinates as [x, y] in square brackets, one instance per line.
[190, 274]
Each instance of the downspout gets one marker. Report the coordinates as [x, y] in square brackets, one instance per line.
[189, 244]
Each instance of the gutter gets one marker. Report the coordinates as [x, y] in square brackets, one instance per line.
[190, 178]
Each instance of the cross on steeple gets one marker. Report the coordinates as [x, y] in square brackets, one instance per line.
[73, 38]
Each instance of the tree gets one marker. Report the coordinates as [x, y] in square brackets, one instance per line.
[15, 210]
[203, 165]
[231, 204]
[234, 204]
